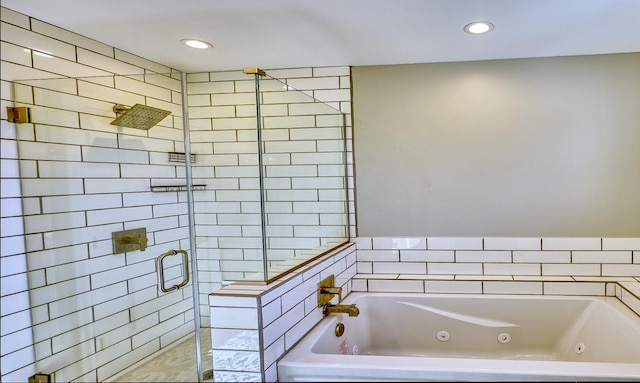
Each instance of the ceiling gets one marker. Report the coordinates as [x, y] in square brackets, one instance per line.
[273, 34]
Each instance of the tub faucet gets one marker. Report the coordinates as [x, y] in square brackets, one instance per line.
[351, 309]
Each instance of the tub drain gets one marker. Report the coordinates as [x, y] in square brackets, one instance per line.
[443, 336]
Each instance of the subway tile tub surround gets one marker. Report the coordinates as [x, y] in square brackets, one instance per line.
[531, 266]
[253, 326]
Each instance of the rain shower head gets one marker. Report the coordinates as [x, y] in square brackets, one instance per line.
[138, 116]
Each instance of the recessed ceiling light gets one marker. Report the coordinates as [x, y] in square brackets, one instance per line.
[199, 44]
[478, 27]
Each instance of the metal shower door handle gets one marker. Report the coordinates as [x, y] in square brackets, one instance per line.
[160, 270]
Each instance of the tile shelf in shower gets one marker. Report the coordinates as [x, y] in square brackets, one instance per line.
[174, 188]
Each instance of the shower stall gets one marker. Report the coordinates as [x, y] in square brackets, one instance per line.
[142, 193]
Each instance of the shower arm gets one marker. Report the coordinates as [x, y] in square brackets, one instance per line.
[119, 108]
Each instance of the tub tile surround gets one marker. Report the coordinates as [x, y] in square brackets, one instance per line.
[462, 266]
[493, 265]
[253, 326]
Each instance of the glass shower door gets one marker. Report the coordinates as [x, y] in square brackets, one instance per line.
[305, 177]
[101, 204]
[107, 208]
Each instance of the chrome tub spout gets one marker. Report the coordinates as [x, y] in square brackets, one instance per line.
[351, 309]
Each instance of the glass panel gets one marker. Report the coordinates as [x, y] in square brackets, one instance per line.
[223, 140]
[95, 298]
[303, 168]
[84, 179]
[304, 176]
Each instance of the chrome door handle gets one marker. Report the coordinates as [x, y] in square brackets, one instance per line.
[160, 270]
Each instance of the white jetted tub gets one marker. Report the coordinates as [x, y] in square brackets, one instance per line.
[422, 337]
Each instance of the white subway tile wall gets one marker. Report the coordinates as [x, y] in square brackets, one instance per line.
[278, 314]
[530, 266]
[304, 171]
[87, 314]
[494, 265]
[451, 266]
[93, 313]
[82, 177]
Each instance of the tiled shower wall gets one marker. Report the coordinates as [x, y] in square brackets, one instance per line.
[92, 313]
[95, 313]
[303, 157]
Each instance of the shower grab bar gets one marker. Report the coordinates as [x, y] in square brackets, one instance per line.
[160, 270]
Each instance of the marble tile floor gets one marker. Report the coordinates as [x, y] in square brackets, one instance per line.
[177, 364]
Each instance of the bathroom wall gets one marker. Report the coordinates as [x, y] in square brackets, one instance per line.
[525, 148]
[303, 157]
[85, 313]
[17, 351]
[83, 259]
[252, 327]
[94, 313]
[496, 265]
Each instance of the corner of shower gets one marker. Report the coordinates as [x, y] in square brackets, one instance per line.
[246, 182]
[102, 184]
[301, 166]
[275, 179]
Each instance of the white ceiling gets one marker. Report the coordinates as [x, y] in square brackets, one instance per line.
[302, 33]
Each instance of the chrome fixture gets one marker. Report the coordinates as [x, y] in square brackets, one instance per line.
[138, 116]
[129, 240]
[160, 270]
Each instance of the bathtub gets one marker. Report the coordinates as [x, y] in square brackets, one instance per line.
[423, 337]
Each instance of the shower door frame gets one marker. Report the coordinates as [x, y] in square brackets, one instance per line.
[39, 121]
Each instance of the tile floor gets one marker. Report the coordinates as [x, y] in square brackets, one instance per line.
[177, 364]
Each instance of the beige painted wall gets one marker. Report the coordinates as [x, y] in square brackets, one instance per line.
[526, 147]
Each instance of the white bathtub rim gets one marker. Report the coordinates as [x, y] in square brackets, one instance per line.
[359, 367]
[625, 310]
[354, 296]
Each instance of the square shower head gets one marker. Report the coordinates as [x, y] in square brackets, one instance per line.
[139, 116]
